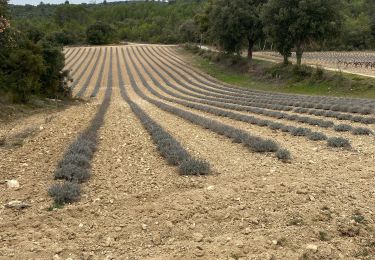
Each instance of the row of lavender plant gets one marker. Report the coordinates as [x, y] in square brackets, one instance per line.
[75, 167]
[174, 153]
[215, 83]
[324, 103]
[295, 131]
[244, 106]
[254, 143]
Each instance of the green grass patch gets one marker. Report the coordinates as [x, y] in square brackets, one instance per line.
[268, 76]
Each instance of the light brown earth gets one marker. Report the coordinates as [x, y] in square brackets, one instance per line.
[136, 206]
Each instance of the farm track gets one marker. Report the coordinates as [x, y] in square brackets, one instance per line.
[335, 61]
[137, 206]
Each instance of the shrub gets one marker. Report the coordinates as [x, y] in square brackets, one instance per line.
[357, 119]
[355, 109]
[317, 112]
[261, 146]
[300, 131]
[362, 131]
[302, 71]
[194, 166]
[366, 111]
[172, 153]
[283, 154]
[368, 120]
[318, 73]
[83, 146]
[71, 172]
[65, 193]
[276, 126]
[262, 122]
[100, 33]
[338, 142]
[344, 117]
[330, 114]
[287, 128]
[325, 124]
[317, 136]
[343, 128]
[78, 160]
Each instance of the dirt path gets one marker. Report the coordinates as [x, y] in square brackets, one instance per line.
[318, 59]
[136, 206]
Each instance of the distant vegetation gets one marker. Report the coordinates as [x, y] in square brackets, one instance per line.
[187, 20]
[31, 37]
[141, 21]
[288, 25]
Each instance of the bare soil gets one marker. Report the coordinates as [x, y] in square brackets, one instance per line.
[136, 206]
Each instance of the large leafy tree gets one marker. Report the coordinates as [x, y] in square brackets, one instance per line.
[232, 23]
[297, 23]
[252, 23]
[189, 31]
[100, 33]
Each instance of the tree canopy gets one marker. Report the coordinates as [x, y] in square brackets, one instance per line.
[31, 65]
[186, 20]
[99, 33]
[233, 23]
[296, 23]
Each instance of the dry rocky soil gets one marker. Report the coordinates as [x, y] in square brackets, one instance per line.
[319, 205]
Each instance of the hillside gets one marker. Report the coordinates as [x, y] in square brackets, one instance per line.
[160, 22]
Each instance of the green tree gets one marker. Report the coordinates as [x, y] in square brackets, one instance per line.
[29, 65]
[225, 25]
[100, 33]
[232, 23]
[23, 69]
[297, 23]
[71, 13]
[189, 31]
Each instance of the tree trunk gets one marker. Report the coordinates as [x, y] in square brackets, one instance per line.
[250, 50]
[299, 52]
[286, 59]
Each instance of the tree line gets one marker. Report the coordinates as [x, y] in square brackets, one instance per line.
[32, 37]
[287, 25]
[154, 22]
[351, 22]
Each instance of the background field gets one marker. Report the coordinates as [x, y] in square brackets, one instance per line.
[362, 63]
